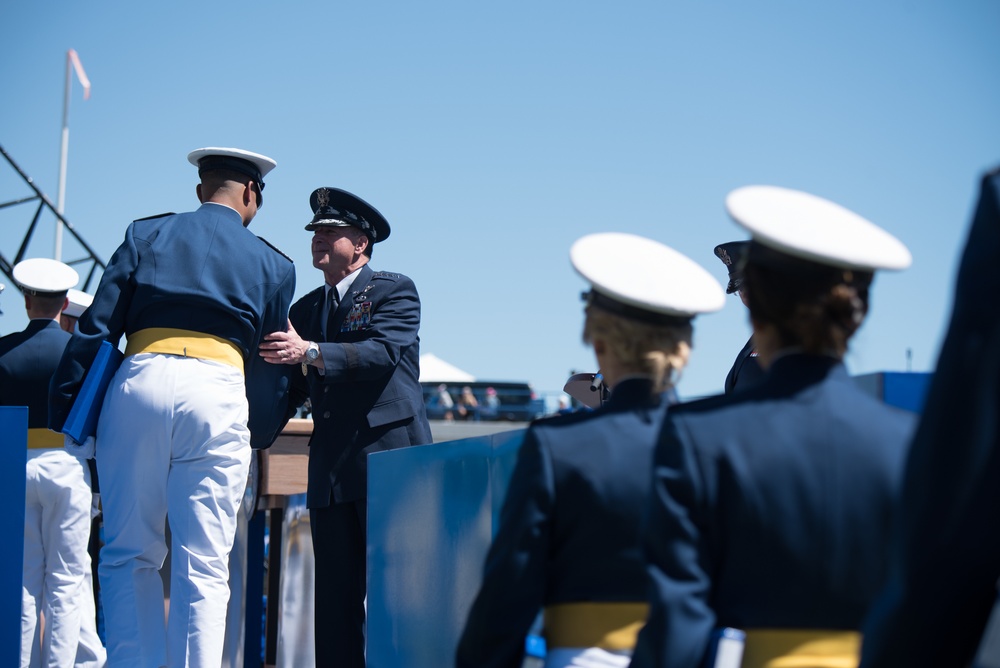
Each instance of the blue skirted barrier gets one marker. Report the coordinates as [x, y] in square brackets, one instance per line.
[431, 516]
[14, 443]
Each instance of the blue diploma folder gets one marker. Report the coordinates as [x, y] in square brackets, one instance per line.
[82, 419]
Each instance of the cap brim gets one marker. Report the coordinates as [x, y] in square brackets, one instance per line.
[646, 274]
[815, 229]
[263, 163]
[45, 275]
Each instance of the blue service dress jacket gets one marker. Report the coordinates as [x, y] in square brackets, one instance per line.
[771, 508]
[946, 547]
[201, 271]
[368, 398]
[569, 527]
[27, 361]
[746, 369]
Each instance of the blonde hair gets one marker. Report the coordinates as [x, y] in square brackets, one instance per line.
[660, 351]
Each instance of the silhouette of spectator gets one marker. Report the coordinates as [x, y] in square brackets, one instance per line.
[491, 405]
[444, 401]
[468, 405]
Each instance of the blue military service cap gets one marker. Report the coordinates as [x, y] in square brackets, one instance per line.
[806, 227]
[40, 276]
[732, 254]
[333, 207]
[645, 280]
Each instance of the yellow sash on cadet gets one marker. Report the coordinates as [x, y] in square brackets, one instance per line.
[610, 626]
[184, 343]
[801, 648]
[41, 438]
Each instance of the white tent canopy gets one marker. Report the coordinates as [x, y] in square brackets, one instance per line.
[433, 369]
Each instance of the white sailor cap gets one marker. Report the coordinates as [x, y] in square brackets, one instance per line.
[41, 275]
[253, 165]
[79, 301]
[811, 228]
[643, 279]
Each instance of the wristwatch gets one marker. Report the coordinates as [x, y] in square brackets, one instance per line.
[312, 354]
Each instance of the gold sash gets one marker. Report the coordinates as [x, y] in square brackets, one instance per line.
[801, 648]
[184, 343]
[611, 626]
[39, 438]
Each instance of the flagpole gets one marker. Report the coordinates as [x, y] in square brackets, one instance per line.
[63, 152]
[72, 60]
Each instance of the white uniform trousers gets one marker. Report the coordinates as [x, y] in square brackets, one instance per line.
[56, 578]
[172, 442]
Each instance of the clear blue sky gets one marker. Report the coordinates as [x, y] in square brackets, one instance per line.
[492, 135]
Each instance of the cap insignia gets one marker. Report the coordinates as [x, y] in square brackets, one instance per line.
[323, 197]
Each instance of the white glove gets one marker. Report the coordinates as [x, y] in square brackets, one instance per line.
[83, 450]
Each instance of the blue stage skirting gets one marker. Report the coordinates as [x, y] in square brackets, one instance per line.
[14, 444]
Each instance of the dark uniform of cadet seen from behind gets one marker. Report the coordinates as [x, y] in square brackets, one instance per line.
[772, 506]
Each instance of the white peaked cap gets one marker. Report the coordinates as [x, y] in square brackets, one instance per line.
[45, 275]
[219, 157]
[645, 276]
[811, 228]
[79, 301]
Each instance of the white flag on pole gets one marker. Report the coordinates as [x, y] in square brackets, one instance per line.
[80, 74]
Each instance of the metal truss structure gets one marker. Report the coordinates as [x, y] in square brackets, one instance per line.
[88, 265]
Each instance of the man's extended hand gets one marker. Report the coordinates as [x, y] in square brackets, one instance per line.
[284, 347]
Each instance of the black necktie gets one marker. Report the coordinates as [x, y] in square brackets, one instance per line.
[331, 309]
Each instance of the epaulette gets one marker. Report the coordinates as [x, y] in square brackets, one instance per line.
[159, 215]
[276, 249]
[387, 275]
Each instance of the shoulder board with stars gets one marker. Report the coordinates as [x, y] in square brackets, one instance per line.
[159, 215]
[276, 249]
[386, 275]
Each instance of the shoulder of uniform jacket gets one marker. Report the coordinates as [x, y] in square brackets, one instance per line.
[276, 249]
[159, 215]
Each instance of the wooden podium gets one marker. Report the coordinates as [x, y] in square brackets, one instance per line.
[283, 466]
